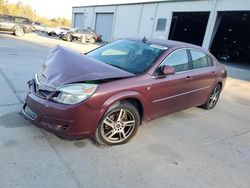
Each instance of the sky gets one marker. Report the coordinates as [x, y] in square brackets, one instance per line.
[63, 8]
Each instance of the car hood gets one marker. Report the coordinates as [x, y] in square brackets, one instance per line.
[64, 66]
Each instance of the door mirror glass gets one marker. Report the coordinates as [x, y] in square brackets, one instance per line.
[167, 70]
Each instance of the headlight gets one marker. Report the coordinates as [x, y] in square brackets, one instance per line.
[74, 93]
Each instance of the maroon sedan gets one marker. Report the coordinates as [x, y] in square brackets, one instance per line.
[107, 93]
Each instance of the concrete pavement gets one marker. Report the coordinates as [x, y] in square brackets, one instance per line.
[192, 148]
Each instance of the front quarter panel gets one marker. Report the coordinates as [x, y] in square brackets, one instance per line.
[126, 95]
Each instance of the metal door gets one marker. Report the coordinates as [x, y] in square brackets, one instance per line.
[79, 20]
[104, 24]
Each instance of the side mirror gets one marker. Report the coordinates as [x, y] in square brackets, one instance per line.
[167, 70]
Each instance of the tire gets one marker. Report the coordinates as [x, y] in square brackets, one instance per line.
[19, 32]
[92, 41]
[69, 38]
[213, 98]
[118, 125]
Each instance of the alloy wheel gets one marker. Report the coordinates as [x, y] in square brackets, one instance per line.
[118, 126]
[214, 97]
[19, 32]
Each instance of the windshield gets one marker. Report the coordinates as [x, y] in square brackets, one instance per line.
[132, 56]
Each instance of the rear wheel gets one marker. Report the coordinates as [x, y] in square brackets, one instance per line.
[213, 98]
[118, 125]
[19, 32]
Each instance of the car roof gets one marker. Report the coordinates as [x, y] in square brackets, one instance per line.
[167, 43]
[6, 15]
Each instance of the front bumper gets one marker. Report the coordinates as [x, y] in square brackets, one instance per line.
[66, 121]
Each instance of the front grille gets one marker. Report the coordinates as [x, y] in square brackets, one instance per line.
[42, 90]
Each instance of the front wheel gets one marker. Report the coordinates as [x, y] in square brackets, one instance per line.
[118, 125]
[19, 32]
[69, 38]
[213, 98]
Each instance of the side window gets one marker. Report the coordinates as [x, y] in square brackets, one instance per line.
[210, 61]
[19, 20]
[178, 60]
[199, 59]
[5, 19]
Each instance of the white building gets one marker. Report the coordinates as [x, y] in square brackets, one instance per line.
[212, 24]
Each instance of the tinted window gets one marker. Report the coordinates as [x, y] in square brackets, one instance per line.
[178, 60]
[132, 56]
[199, 59]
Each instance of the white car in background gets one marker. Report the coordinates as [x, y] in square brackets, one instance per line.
[38, 26]
[57, 30]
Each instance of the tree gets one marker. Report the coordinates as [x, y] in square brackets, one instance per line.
[19, 9]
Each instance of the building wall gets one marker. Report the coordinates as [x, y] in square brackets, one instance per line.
[141, 19]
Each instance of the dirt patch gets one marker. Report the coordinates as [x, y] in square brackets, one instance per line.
[80, 143]
[13, 120]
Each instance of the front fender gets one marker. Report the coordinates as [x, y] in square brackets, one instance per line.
[123, 95]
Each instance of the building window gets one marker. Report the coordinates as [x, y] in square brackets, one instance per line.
[161, 24]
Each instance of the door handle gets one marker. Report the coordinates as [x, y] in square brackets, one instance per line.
[188, 78]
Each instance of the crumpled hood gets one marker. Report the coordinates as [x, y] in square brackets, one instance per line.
[64, 66]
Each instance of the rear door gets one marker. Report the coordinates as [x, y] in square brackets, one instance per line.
[170, 93]
[203, 77]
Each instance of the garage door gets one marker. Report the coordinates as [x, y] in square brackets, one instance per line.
[79, 20]
[103, 25]
[231, 37]
[189, 27]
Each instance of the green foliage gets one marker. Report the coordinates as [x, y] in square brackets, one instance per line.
[26, 11]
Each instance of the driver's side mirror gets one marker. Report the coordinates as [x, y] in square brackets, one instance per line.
[167, 70]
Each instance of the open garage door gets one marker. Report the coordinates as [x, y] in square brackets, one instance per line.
[104, 25]
[231, 41]
[189, 27]
[79, 20]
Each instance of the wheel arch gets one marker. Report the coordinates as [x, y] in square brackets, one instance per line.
[20, 26]
[133, 97]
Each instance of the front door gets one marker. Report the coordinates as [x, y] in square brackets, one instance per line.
[170, 93]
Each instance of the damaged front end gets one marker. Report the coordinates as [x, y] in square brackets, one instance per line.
[70, 78]
[65, 81]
